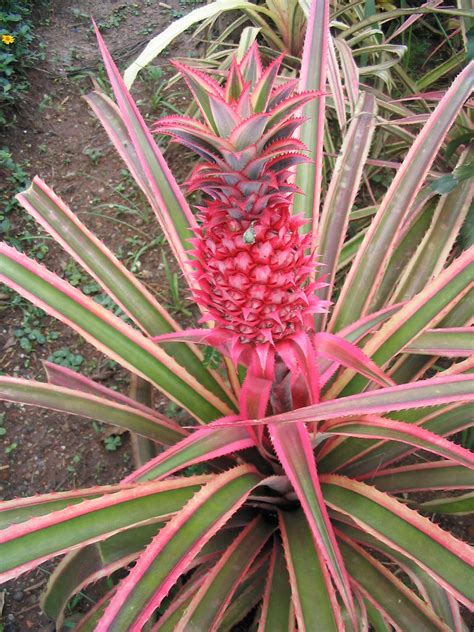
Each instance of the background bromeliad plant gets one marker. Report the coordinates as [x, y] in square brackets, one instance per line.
[312, 444]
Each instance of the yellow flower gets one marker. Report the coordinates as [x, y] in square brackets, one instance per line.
[8, 39]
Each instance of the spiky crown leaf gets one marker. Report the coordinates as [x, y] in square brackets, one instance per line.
[246, 137]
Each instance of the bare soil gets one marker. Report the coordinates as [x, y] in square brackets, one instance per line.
[57, 137]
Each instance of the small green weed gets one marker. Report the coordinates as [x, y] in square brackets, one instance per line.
[112, 443]
[11, 448]
[177, 304]
[66, 357]
[94, 154]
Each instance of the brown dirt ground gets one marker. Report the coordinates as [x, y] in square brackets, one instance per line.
[58, 138]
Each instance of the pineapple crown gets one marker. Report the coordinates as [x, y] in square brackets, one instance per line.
[245, 137]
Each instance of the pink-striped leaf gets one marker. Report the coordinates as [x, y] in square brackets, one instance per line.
[335, 84]
[443, 475]
[24, 546]
[251, 65]
[354, 333]
[434, 250]
[88, 621]
[408, 240]
[88, 564]
[277, 612]
[366, 273]
[224, 115]
[450, 342]
[345, 353]
[203, 445]
[202, 88]
[264, 86]
[59, 375]
[22, 509]
[432, 392]
[343, 187]
[248, 131]
[424, 310]
[135, 300]
[457, 505]
[412, 367]
[313, 77]
[293, 447]
[169, 554]
[208, 605]
[466, 366]
[398, 604]
[350, 72]
[176, 609]
[308, 577]
[441, 602]
[107, 332]
[56, 218]
[247, 596]
[374, 427]
[162, 191]
[358, 456]
[439, 553]
[70, 401]
[91, 563]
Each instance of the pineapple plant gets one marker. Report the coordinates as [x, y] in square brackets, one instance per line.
[304, 516]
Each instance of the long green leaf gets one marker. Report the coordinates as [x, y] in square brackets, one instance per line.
[424, 310]
[247, 596]
[459, 505]
[372, 426]
[432, 392]
[434, 250]
[397, 602]
[453, 342]
[313, 77]
[367, 270]
[441, 475]
[203, 445]
[24, 546]
[436, 551]
[313, 597]
[408, 242]
[90, 563]
[160, 187]
[441, 602]
[22, 509]
[107, 333]
[169, 554]
[277, 612]
[358, 456]
[56, 218]
[293, 447]
[345, 182]
[71, 402]
[209, 603]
